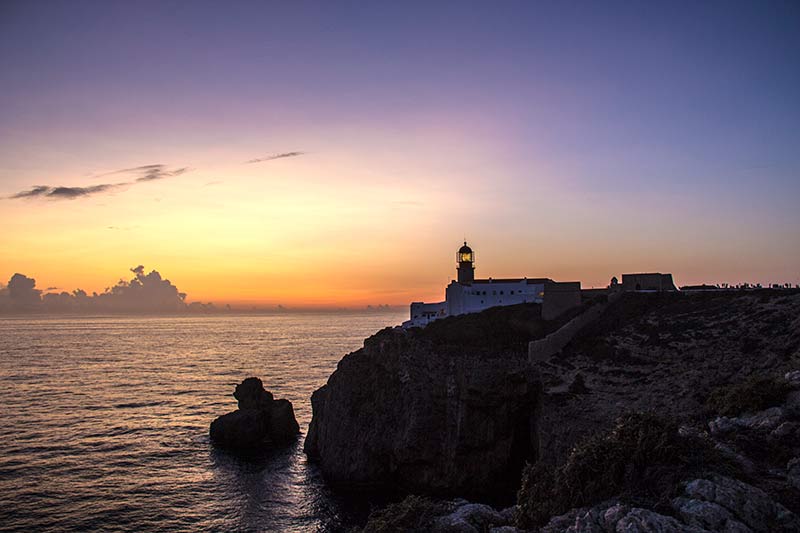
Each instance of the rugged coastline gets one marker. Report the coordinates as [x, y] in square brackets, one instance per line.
[458, 410]
[449, 410]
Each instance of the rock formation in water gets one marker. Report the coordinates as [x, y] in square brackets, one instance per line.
[260, 420]
[450, 409]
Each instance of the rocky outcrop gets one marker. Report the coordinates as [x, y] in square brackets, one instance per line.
[402, 414]
[410, 412]
[716, 505]
[260, 420]
[724, 504]
[613, 516]
[666, 352]
[749, 474]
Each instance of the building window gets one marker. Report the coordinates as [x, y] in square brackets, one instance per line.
[481, 301]
[512, 293]
[501, 293]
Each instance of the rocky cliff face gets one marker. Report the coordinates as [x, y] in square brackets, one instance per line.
[707, 383]
[430, 411]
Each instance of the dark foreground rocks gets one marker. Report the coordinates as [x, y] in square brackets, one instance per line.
[259, 422]
[722, 474]
[670, 412]
[408, 413]
[645, 474]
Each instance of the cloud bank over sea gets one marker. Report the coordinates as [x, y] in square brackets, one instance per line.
[144, 293]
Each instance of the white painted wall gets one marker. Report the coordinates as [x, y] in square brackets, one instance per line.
[473, 298]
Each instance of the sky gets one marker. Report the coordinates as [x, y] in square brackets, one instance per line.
[338, 153]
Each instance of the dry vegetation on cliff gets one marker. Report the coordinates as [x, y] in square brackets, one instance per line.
[667, 352]
[642, 459]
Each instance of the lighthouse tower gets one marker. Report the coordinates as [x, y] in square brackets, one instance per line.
[465, 258]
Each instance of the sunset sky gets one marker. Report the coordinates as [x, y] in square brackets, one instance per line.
[573, 140]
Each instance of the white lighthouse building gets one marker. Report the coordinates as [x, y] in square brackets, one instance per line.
[467, 294]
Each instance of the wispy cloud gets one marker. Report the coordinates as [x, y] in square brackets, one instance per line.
[144, 173]
[152, 172]
[275, 156]
[122, 228]
[67, 193]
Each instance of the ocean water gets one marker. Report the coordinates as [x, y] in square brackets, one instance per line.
[105, 421]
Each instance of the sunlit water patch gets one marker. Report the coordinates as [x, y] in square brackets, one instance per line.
[105, 421]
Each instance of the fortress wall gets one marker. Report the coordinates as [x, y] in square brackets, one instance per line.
[560, 297]
[552, 344]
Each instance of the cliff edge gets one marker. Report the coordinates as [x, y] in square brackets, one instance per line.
[448, 410]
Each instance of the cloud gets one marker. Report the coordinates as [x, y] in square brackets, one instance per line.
[61, 192]
[122, 228]
[144, 173]
[150, 172]
[22, 292]
[144, 293]
[155, 172]
[275, 156]
[37, 190]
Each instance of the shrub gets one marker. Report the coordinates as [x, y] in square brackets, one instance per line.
[754, 394]
[413, 514]
[642, 459]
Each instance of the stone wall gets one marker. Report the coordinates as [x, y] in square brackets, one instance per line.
[560, 297]
[654, 281]
[552, 344]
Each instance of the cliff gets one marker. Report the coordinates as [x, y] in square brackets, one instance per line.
[450, 409]
[665, 412]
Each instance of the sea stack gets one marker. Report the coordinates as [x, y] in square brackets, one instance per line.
[260, 421]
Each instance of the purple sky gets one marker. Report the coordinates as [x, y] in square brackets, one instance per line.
[653, 120]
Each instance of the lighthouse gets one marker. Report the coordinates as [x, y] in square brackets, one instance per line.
[470, 295]
[465, 259]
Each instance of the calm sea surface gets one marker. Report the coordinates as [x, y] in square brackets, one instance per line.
[105, 421]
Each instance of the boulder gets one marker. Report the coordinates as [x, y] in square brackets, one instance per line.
[735, 503]
[793, 472]
[470, 518]
[768, 419]
[615, 517]
[260, 420]
[708, 515]
[399, 414]
[792, 403]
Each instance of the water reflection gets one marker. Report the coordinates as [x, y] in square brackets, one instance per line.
[106, 422]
